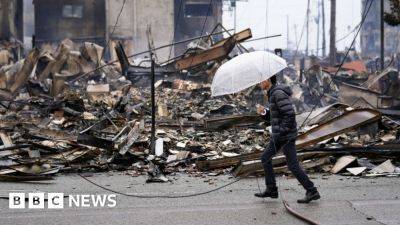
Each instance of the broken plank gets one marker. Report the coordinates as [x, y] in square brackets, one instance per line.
[249, 167]
[90, 140]
[230, 121]
[7, 142]
[10, 152]
[54, 65]
[214, 53]
[74, 155]
[342, 163]
[284, 169]
[227, 162]
[22, 76]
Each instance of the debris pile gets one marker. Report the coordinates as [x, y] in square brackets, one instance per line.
[60, 114]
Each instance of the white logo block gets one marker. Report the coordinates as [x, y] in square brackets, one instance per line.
[36, 200]
[55, 200]
[16, 200]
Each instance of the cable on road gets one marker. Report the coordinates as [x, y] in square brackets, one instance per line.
[159, 196]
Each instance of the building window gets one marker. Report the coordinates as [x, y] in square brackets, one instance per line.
[72, 11]
[198, 9]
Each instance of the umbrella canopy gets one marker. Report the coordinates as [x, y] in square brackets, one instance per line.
[245, 71]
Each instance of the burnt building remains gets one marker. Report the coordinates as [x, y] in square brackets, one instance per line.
[94, 21]
[11, 30]
[11, 18]
[195, 18]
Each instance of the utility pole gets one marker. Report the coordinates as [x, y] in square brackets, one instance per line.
[318, 20]
[295, 33]
[308, 20]
[235, 19]
[153, 107]
[107, 34]
[382, 36]
[332, 40]
[323, 30]
[233, 4]
[287, 32]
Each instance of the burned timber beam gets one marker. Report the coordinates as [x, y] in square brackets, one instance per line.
[348, 121]
[230, 121]
[214, 53]
[239, 37]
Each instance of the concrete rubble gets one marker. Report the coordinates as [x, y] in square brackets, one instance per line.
[54, 120]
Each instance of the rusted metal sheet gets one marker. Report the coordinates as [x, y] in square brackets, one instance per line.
[355, 95]
[348, 121]
[213, 53]
[239, 37]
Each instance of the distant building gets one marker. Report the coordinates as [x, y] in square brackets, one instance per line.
[29, 23]
[370, 32]
[94, 20]
[11, 30]
[11, 19]
[191, 19]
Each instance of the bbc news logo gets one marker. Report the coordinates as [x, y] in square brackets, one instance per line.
[56, 201]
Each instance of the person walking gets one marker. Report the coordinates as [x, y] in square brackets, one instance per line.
[284, 132]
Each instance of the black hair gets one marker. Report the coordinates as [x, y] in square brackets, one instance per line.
[273, 80]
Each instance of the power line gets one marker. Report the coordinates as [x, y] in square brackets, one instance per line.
[301, 36]
[175, 28]
[342, 38]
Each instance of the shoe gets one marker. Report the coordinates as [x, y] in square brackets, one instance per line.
[270, 192]
[310, 196]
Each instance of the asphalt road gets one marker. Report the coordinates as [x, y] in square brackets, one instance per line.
[344, 201]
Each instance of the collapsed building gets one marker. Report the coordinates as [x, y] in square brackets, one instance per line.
[67, 111]
[94, 20]
[64, 109]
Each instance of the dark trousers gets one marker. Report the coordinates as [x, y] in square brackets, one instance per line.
[289, 149]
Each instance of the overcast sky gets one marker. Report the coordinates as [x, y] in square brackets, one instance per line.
[256, 14]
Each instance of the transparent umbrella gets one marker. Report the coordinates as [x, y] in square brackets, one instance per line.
[246, 70]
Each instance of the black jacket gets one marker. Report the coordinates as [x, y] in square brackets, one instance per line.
[282, 114]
